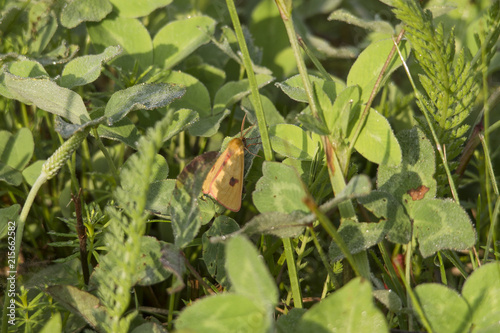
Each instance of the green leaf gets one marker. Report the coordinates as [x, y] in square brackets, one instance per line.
[81, 303]
[376, 141]
[444, 308]
[10, 175]
[224, 313]
[179, 121]
[385, 207]
[292, 141]
[16, 150]
[7, 215]
[213, 253]
[482, 293]
[366, 69]
[208, 126]
[132, 8]
[389, 299]
[33, 171]
[178, 39]
[273, 116]
[347, 17]
[232, 92]
[86, 69]
[441, 224]
[294, 87]
[358, 236]
[185, 214]
[153, 254]
[353, 308]
[345, 106]
[149, 327]
[159, 170]
[48, 96]
[416, 169]
[123, 130]
[54, 324]
[196, 97]
[289, 323]
[78, 11]
[249, 275]
[128, 33]
[278, 224]
[43, 26]
[141, 97]
[269, 33]
[313, 124]
[159, 195]
[279, 189]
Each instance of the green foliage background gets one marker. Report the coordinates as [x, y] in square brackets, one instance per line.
[370, 200]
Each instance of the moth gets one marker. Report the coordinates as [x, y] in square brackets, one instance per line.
[224, 181]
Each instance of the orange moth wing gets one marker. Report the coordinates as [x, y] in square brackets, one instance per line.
[224, 182]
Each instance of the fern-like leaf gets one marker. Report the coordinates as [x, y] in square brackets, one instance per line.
[450, 80]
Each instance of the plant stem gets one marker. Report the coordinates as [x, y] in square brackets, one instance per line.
[255, 97]
[292, 272]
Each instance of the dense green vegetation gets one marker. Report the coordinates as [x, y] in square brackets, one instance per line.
[370, 197]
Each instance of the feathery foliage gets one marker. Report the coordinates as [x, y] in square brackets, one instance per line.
[126, 227]
[451, 81]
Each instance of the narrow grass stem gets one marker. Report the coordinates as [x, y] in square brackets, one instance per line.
[373, 93]
[106, 154]
[292, 272]
[324, 259]
[332, 231]
[415, 302]
[285, 11]
[256, 101]
[442, 270]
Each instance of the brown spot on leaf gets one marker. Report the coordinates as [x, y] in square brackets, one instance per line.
[233, 181]
[418, 193]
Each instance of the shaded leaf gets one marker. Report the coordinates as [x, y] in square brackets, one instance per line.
[278, 224]
[292, 141]
[353, 308]
[78, 11]
[249, 275]
[48, 96]
[376, 141]
[141, 97]
[232, 92]
[481, 291]
[441, 224]
[224, 313]
[294, 87]
[366, 69]
[417, 166]
[347, 17]
[16, 150]
[132, 8]
[279, 189]
[214, 252]
[389, 299]
[444, 308]
[178, 39]
[159, 196]
[358, 236]
[130, 34]
[186, 219]
[8, 214]
[208, 126]
[86, 69]
[81, 303]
